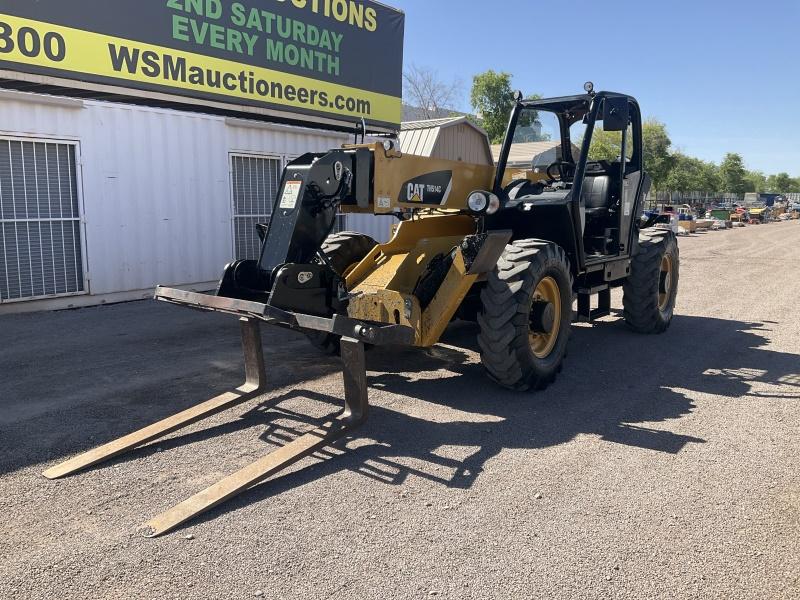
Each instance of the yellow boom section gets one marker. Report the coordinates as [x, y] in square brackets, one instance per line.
[383, 284]
[406, 181]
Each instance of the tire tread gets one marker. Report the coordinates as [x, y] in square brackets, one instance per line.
[504, 320]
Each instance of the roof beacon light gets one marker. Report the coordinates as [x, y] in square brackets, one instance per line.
[588, 87]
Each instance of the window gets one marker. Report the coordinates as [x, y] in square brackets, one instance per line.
[606, 145]
[40, 224]
[537, 141]
[255, 181]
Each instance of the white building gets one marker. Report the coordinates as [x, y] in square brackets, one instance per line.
[100, 202]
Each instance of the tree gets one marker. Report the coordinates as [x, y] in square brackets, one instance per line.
[658, 162]
[757, 181]
[474, 119]
[493, 100]
[657, 158]
[606, 145]
[782, 184]
[710, 177]
[733, 175]
[689, 174]
[529, 125]
[422, 87]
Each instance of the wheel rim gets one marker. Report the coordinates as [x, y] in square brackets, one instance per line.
[545, 318]
[665, 283]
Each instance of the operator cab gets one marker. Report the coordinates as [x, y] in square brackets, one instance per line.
[586, 146]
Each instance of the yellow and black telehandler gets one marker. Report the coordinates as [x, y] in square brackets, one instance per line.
[511, 247]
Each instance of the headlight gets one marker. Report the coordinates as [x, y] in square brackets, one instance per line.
[494, 204]
[478, 202]
[481, 203]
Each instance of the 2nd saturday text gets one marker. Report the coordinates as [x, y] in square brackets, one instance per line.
[285, 40]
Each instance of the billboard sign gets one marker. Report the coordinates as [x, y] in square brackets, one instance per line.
[339, 59]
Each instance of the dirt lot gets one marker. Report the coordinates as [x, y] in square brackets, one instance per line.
[656, 467]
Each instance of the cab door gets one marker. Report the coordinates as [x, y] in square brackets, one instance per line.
[634, 184]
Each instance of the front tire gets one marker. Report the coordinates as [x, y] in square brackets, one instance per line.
[526, 315]
[344, 251]
[651, 289]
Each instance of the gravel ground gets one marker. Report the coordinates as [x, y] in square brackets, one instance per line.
[656, 467]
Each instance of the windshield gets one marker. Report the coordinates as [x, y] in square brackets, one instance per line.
[536, 143]
[606, 145]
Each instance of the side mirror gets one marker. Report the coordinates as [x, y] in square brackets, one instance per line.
[616, 114]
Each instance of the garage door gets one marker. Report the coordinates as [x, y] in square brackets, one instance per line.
[40, 239]
[254, 186]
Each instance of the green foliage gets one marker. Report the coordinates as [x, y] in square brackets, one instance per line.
[606, 145]
[493, 100]
[471, 118]
[782, 184]
[710, 180]
[757, 181]
[527, 125]
[658, 161]
[689, 174]
[733, 175]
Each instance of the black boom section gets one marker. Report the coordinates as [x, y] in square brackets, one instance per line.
[303, 213]
[305, 210]
[291, 273]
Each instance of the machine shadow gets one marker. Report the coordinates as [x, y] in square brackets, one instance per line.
[100, 402]
[605, 394]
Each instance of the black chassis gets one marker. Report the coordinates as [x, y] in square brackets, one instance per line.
[557, 217]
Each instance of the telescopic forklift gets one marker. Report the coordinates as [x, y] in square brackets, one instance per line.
[523, 249]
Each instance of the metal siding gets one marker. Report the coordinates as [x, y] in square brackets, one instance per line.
[408, 141]
[441, 146]
[419, 142]
[374, 226]
[156, 185]
[155, 197]
[429, 141]
[462, 142]
[451, 141]
[447, 146]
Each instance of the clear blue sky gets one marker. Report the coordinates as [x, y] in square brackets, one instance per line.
[723, 75]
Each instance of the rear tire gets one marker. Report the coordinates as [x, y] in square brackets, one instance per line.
[650, 291]
[526, 315]
[344, 250]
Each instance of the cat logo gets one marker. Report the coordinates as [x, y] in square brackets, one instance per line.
[416, 192]
[432, 189]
